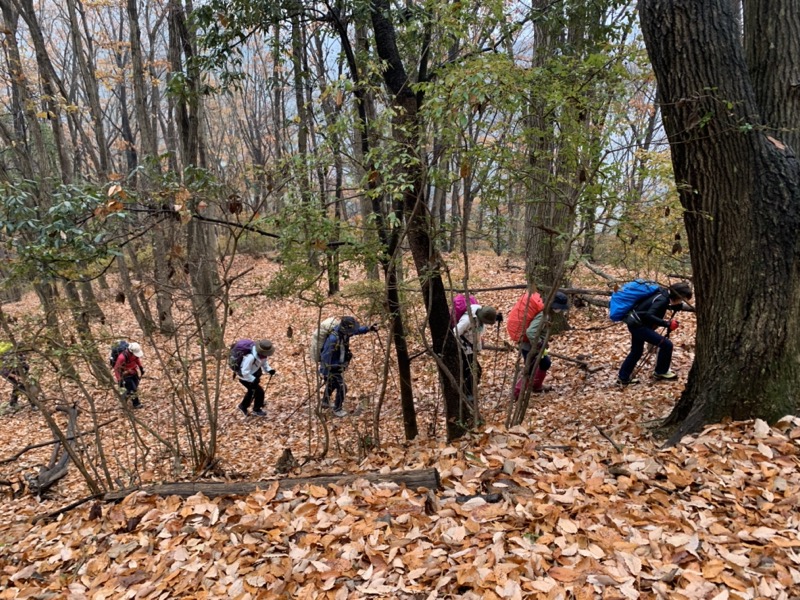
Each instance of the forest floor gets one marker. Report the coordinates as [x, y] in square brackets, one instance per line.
[583, 501]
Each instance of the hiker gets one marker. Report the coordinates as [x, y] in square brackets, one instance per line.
[646, 316]
[536, 330]
[334, 359]
[469, 330]
[253, 364]
[128, 371]
[13, 367]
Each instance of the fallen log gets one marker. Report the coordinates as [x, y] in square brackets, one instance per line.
[421, 478]
[522, 286]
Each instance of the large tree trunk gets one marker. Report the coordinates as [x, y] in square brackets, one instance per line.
[740, 188]
[772, 50]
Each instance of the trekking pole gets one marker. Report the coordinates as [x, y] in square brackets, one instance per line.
[266, 385]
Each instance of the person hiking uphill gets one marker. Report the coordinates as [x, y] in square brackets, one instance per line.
[469, 330]
[535, 330]
[128, 371]
[647, 316]
[335, 358]
[253, 364]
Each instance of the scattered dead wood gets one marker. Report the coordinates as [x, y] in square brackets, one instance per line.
[64, 509]
[581, 363]
[421, 478]
[59, 460]
[598, 271]
[617, 447]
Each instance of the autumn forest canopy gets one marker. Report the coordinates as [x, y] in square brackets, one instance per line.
[185, 175]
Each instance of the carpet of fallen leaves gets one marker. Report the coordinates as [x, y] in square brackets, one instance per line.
[559, 510]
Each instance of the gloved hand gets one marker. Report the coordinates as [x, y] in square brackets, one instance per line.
[673, 324]
[141, 371]
[373, 327]
[271, 372]
[499, 318]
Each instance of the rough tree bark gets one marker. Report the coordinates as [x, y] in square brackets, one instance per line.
[739, 183]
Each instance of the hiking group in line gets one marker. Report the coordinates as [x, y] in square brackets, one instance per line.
[642, 306]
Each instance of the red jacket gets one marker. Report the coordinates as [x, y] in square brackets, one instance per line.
[127, 364]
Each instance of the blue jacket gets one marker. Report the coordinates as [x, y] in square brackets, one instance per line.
[335, 353]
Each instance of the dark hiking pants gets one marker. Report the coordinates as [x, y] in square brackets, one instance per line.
[639, 336]
[255, 394]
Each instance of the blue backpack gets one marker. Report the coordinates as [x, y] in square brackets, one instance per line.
[624, 299]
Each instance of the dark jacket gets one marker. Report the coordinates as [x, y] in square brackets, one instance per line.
[13, 364]
[652, 309]
[336, 353]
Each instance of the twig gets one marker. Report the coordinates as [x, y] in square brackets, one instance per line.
[617, 447]
[68, 507]
[598, 271]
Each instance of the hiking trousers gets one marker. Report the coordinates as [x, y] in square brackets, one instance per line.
[334, 382]
[639, 336]
[255, 394]
[131, 385]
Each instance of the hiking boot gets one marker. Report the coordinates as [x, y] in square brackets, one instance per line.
[242, 410]
[340, 412]
[668, 376]
[259, 413]
[137, 404]
[621, 381]
[325, 404]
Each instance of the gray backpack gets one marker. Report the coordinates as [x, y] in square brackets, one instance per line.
[319, 336]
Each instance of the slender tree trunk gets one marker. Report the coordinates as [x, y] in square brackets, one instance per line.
[87, 70]
[390, 238]
[455, 212]
[48, 297]
[80, 316]
[426, 259]
[89, 301]
[145, 322]
[201, 238]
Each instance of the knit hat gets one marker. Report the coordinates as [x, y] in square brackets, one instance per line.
[680, 291]
[487, 315]
[348, 325]
[560, 302]
[135, 349]
[264, 348]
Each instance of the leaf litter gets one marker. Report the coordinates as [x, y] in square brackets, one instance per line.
[570, 516]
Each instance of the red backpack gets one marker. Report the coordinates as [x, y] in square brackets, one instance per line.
[520, 317]
[460, 307]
